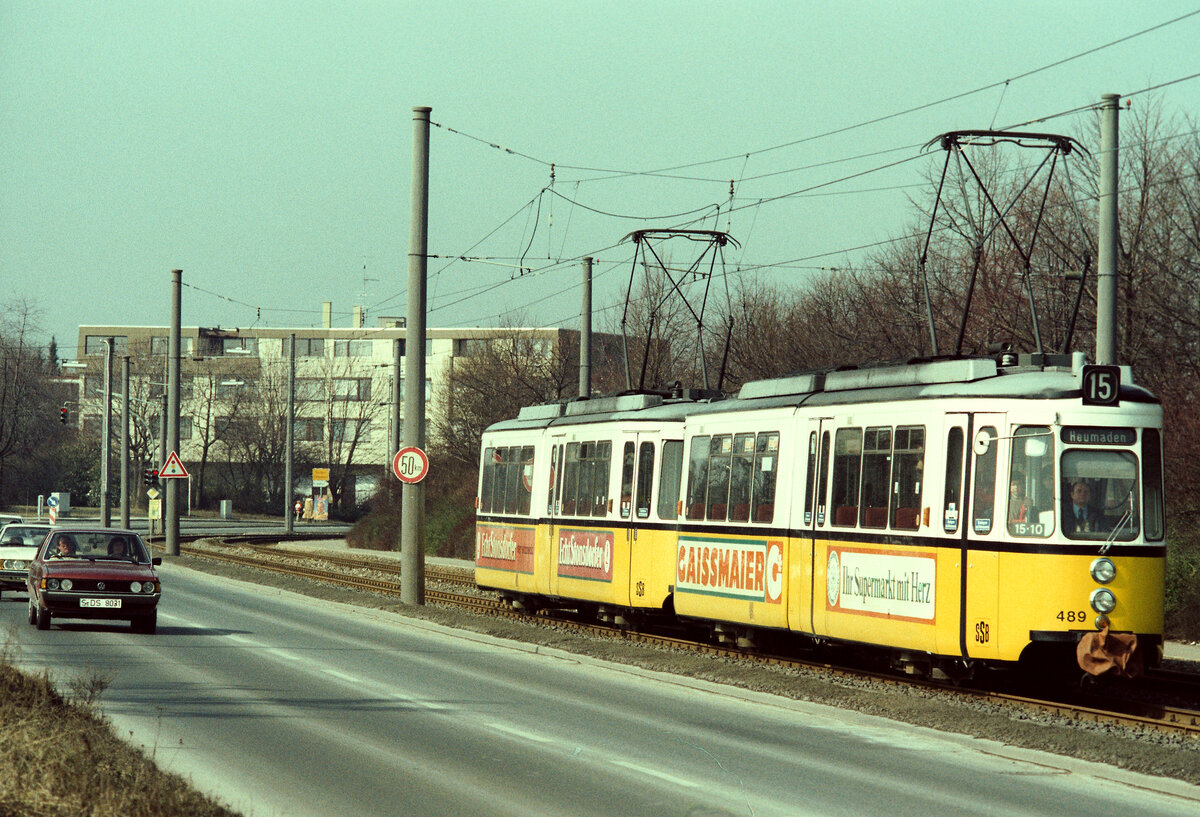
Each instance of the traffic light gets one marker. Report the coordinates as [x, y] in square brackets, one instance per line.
[62, 415]
[150, 477]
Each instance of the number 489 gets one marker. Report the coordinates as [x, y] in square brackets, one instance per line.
[1072, 616]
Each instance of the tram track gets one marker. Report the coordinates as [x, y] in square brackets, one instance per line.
[284, 561]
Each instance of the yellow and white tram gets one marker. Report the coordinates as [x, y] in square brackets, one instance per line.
[953, 512]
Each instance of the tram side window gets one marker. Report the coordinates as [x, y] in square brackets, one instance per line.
[907, 477]
[1100, 494]
[1031, 482]
[670, 471]
[645, 480]
[952, 501]
[741, 478]
[766, 468]
[984, 490]
[525, 484]
[595, 461]
[570, 488]
[1152, 484]
[697, 477]
[847, 464]
[876, 477]
[552, 493]
[812, 477]
[719, 465]
[627, 461]
[512, 480]
[823, 478]
[486, 479]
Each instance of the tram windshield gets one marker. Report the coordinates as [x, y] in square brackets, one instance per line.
[1100, 494]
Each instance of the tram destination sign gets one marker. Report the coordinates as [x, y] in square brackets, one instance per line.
[1098, 435]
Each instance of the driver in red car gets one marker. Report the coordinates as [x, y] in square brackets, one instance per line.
[65, 547]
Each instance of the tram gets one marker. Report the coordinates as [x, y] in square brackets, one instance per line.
[952, 513]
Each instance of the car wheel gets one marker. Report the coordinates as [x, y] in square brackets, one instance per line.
[145, 624]
[43, 618]
[32, 611]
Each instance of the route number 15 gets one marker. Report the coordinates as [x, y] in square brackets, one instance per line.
[1101, 385]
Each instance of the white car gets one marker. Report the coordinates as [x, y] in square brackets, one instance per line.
[10, 519]
[18, 545]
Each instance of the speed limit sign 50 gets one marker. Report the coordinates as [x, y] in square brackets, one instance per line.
[410, 465]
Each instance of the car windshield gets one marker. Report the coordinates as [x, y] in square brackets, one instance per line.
[28, 535]
[96, 545]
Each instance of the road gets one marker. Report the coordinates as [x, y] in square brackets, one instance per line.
[284, 705]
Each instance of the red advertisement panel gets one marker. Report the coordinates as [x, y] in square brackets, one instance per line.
[504, 547]
[585, 554]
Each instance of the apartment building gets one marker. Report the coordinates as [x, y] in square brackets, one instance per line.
[234, 399]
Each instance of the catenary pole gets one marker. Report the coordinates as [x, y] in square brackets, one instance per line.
[288, 480]
[397, 398]
[125, 442]
[585, 333]
[171, 515]
[1107, 234]
[106, 439]
[412, 520]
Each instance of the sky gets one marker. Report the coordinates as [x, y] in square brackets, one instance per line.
[266, 148]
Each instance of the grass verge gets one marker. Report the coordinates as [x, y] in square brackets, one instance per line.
[59, 758]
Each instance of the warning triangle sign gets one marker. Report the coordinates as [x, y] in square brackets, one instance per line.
[172, 468]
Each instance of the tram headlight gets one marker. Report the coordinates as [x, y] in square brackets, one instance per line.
[1103, 600]
[1103, 570]
[1101, 622]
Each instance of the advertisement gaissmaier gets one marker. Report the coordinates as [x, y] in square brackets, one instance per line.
[891, 585]
[585, 554]
[749, 569]
[504, 547]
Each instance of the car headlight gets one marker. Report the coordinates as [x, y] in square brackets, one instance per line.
[67, 584]
[135, 587]
[20, 564]
[149, 588]
[1103, 600]
[52, 584]
[1103, 570]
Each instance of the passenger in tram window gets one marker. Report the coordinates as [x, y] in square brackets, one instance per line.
[1078, 514]
[1018, 503]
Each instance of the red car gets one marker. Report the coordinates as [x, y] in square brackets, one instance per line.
[100, 573]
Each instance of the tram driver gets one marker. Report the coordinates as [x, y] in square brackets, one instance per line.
[1078, 514]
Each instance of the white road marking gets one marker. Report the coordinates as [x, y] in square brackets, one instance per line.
[633, 767]
[508, 730]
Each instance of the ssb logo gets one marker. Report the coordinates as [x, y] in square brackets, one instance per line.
[774, 572]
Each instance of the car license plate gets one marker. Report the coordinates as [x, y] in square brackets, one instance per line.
[99, 602]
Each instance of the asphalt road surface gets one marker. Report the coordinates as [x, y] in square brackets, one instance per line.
[284, 705]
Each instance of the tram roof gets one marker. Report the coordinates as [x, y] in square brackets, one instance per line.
[1028, 377]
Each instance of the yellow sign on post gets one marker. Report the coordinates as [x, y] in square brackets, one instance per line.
[320, 477]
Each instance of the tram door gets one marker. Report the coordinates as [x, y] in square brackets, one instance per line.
[638, 460]
[548, 533]
[986, 508]
[806, 571]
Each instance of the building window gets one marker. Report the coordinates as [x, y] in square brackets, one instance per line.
[310, 388]
[159, 346]
[310, 347]
[428, 389]
[309, 430]
[351, 388]
[230, 389]
[94, 344]
[348, 431]
[352, 348]
[247, 347]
